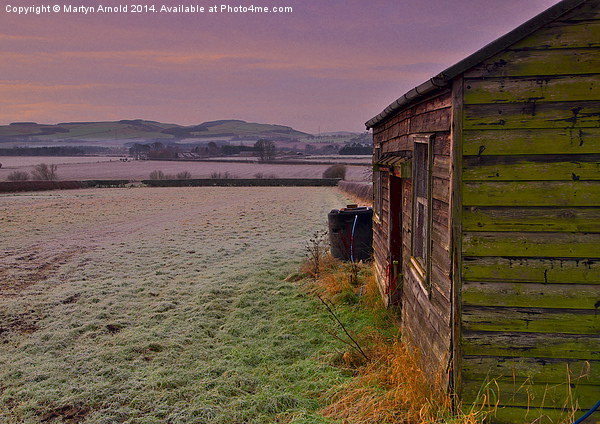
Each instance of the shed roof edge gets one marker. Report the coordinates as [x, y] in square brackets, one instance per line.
[445, 77]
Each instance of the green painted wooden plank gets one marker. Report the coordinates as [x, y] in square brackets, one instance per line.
[560, 35]
[531, 320]
[532, 115]
[532, 394]
[588, 10]
[530, 345]
[525, 63]
[531, 193]
[538, 370]
[531, 141]
[522, 244]
[531, 219]
[527, 270]
[524, 415]
[532, 168]
[455, 221]
[547, 89]
[535, 295]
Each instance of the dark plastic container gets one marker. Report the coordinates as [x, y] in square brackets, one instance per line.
[351, 233]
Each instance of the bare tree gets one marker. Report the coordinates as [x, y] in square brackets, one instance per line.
[265, 150]
[184, 175]
[43, 171]
[157, 175]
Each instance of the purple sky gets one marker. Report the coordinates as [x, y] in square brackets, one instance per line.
[330, 65]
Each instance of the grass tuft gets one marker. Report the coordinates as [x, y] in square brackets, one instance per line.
[392, 387]
[389, 385]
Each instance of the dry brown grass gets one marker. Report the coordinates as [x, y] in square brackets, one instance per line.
[343, 282]
[332, 279]
[390, 386]
[371, 297]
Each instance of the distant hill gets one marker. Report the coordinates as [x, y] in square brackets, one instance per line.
[339, 133]
[138, 130]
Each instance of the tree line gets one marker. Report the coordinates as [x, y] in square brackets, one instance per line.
[52, 151]
[264, 149]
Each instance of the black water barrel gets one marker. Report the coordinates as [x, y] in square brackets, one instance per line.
[344, 244]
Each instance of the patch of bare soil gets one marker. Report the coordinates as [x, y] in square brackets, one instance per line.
[22, 270]
[66, 414]
[20, 324]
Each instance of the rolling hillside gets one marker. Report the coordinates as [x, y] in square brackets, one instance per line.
[128, 131]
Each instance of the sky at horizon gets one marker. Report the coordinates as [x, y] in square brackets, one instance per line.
[326, 66]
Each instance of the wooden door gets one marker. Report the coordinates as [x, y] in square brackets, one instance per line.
[395, 241]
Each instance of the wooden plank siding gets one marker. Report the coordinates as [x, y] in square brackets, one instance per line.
[380, 234]
[425, 313]
[524, 369]
[531, 90]
[556, 219]
[582, 167]
[531, 193]
[531, 270]
[524, 414]
[547, 141]
[544, 62]
[532, 295]
[531, 221]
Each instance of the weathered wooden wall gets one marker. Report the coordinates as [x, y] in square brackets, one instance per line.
[425, 313]
[531, 220]
[380, 237]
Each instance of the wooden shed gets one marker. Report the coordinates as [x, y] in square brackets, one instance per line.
[487, 216]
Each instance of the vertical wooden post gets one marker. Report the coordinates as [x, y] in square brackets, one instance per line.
[456, 233]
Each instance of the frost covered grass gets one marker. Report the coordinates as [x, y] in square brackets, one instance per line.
[152, 305]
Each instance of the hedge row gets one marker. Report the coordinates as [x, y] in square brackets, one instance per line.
[14, 186]
[245, 182]
[363, 191]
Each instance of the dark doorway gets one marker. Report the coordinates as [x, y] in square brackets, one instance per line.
[395, 241]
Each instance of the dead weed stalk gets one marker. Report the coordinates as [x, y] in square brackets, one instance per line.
[316, 250]
[352, 343]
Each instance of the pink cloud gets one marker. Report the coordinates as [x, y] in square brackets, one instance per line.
[331, 65]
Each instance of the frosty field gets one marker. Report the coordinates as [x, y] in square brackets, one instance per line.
[160, 305]
[82, 168]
